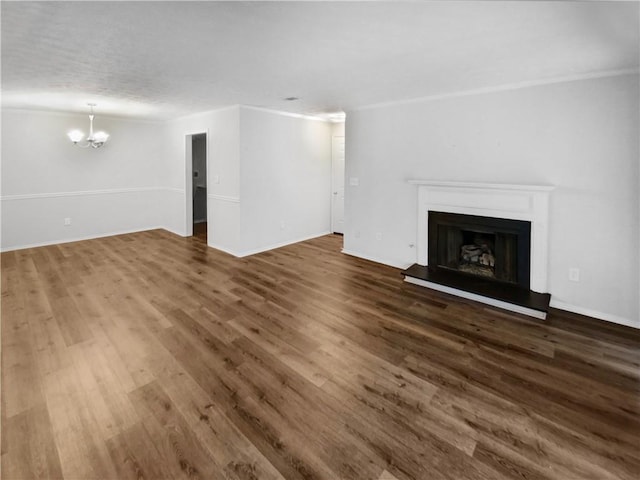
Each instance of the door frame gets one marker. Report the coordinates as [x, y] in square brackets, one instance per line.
[188, 185]
[333, 186]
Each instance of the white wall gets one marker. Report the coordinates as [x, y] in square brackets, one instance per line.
[272, 169]
[285, 178]
[223, 207]
[46, 179]
[580, 136]
[140, 178]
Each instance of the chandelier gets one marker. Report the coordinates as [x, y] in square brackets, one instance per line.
[94, 140]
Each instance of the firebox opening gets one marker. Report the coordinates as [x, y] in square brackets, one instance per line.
[494, 249]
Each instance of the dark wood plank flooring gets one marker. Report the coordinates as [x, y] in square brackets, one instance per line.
[153, 356]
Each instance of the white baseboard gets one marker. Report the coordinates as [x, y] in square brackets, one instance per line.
[223, 249]
[607, 317]
[281, 244]
[175, 232]
[79, 239]
[371, 258]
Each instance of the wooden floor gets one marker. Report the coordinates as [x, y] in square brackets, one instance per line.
[200, 231]
[152, 356]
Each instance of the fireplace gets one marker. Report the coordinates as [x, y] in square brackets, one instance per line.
[482, 241]
[493, 249]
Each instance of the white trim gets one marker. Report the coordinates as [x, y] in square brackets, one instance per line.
[333, 192]
[478, 298]
[502, 88]
[30, 196]
[187, 116]
[352, 253]
[286, 114]
[224, 249]
[281, 244]
[495, 186]
[81, 239]
[171, 230]
[173, 190]
[223, 198]
[594, 314]
[82, 111]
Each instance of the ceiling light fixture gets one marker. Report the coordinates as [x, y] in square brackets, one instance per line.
[94, 140]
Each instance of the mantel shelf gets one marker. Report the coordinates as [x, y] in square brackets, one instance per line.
[484, 186]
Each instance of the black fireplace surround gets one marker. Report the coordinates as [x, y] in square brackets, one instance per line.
[491, 249]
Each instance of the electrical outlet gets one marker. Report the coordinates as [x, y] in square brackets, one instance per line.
[574, 274]
[67, 222]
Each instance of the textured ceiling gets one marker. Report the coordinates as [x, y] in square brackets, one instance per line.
[167, 59]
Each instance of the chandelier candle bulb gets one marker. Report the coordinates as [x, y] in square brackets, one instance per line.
[75, 136]
[101, 137]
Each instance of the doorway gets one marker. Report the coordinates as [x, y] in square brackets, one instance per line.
[196, 187]
[337, 184]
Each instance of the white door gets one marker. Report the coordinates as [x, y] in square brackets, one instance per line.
[337, 184]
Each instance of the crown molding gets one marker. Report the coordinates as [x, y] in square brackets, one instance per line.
[68, 113]
[285, 114]
[501, 88]
[187, 116]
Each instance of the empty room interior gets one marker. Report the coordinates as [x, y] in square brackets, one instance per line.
[320, 240]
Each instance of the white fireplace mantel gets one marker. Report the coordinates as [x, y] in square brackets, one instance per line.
[516, 202]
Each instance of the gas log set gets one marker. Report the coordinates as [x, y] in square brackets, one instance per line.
[478, 259]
